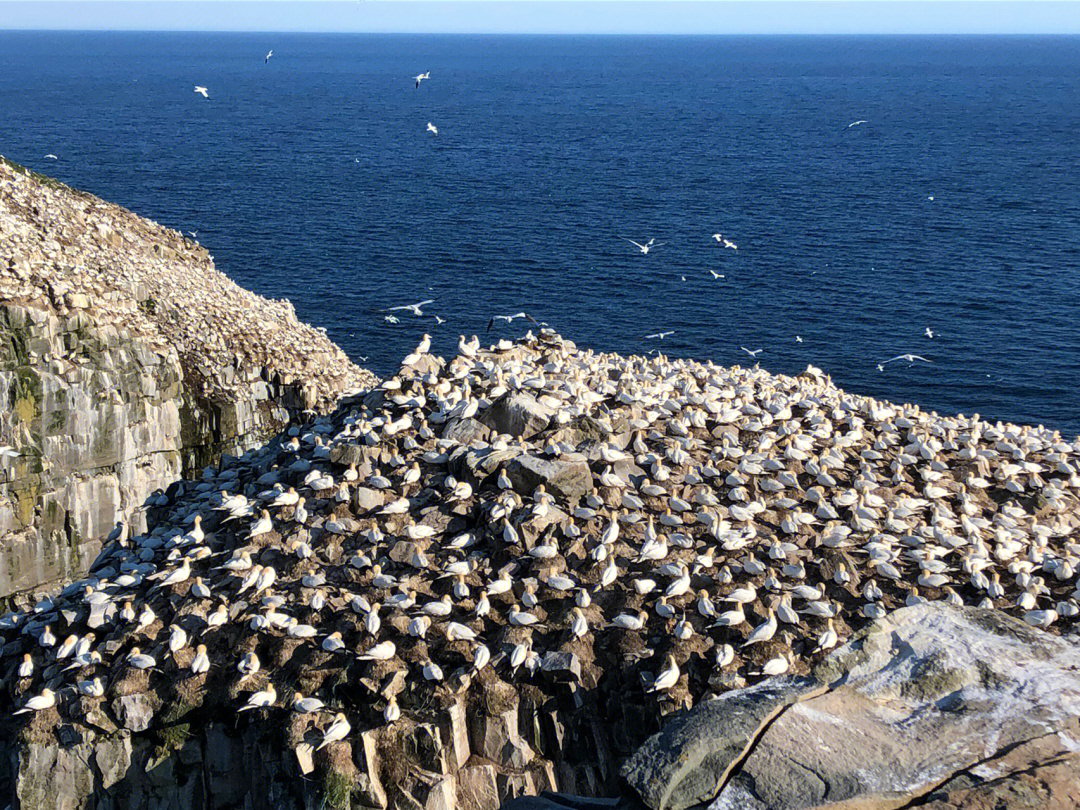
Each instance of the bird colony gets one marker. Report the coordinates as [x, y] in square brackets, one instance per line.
[532, 513]
[72, 253]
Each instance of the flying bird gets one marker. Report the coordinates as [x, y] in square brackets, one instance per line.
[644, 248]
[268, 55]
[421, 76]
[856, 123]
[202, 91]
[432, 128]
[929, 332]
[911, 358]
[511, 319]
[719, 237]
[753, 354]
[717, 275]
[660, 335]
[51, 156]
[413, 308]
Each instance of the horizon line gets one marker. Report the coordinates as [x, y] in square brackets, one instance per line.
[555, 17]
[681, 34]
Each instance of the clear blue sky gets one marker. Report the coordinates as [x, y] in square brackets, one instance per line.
[553, 16]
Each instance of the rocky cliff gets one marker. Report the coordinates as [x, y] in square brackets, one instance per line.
[126, 361]
[503, 572]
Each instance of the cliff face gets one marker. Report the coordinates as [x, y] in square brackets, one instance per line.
[126, 360]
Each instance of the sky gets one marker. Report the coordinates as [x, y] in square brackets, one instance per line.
[554, 16]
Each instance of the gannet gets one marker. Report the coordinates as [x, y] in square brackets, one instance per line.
[262, 699]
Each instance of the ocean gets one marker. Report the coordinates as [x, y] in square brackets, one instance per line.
[954, 207]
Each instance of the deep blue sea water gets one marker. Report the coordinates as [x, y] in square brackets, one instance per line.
[312, 177]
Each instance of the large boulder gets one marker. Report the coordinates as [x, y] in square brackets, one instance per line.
[923, 695]
[567, 477]
[518, 414]
[691, 758]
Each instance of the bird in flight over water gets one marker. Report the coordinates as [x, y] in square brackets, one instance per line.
[511, 319]
[202, 91]
[753, 354]
[856, 123]
[646, 247]
[660, 335]
[421, 76]
[432, 128]
[413, 308]
[911, 358]
[268, 55]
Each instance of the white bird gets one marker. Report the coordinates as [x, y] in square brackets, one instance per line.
[415, 310]
[719, 237]
[717, 275]
[202, 91]
[338, 730]
[93, 688]
[856, 123]
[306, 705]
[511, 319]
[660, 335]
[666, 678]
[46, 700]
[774, 666]
[268, 55]
[421, 76]
[383, 651]
[753, 354]
[764, 631]
[261, 700]
[51, 156]
[646, 247]
[911, 358]
[201, 662]
[929, 332]
[432, 128]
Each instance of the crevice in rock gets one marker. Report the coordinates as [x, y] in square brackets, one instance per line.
[925, 796]
[736, 764]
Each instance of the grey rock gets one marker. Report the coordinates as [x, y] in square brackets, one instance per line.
[135, 712]
[517, 414]
[568, 477]
[690, 759]
[561, 666]
[367, 499]
[925, 693]
[478, 464]
[466, 431]
[372, 793]
[457, 734]
[477, 789]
